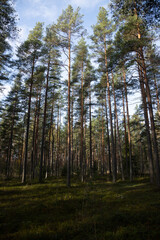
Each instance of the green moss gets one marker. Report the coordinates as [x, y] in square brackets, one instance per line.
[93, 210]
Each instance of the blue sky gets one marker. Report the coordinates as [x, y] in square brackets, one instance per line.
[47, 11]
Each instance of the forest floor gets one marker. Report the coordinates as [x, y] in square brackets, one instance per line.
[95, 210]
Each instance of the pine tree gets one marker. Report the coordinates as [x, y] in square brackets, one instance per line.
[8, 31]
[69, 24]
[102, 36]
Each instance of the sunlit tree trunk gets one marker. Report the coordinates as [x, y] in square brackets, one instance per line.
[128, 126]
[28, 125]
[117, 125]
[108, 139]
[44, 125]
[72, 133]
[90, 130]
[114, 173]
[81, 155]
[103, 146]
[69, 127]
[125, 134]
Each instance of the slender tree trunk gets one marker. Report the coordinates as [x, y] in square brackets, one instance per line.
[37, 133]
[128, 126]
[52, 142]
[110, 114]
[69, 127]
[115, 140]
[81, 155]
[72, 133]
[33, 144]
[57, 160]
[48, 171]
[117, 124]
[90, 130]
[84, 151]
[28, 126]
[10, 147]
[103, 146]
[108, 139]
[125, 134]
[44, 125]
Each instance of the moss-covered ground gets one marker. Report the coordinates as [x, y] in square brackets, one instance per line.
[95, 210]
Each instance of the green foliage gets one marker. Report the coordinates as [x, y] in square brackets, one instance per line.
[94, 210]
[70, 20]
[7, 31]
[147, 9]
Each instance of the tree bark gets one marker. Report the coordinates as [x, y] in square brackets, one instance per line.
[103, 146]
[69, 127]
[108, 139]
[81, 155]
[28, 126]
[72, 133]
[44, 125]
[117, 125]
[90, 129]
[10, 147]
[114, 171]
[125, 134]
[33, 144]
[128, 126]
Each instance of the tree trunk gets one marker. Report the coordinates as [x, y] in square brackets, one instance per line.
[36, 160]
[52, 142]
[90, 130]
[72, 133]
[28, 126]
[69, 132]
[103, 146]
[117, 124]
[81, 155]
[44, 125]
[128, 126]
[114, 173]
[125, 134]
[108, 139]
[33, 144]
[10, 147]
[57, 160]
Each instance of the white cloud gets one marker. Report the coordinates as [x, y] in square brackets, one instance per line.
[4, 91]
[23, 34]
[84, 3]
[45, 10]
